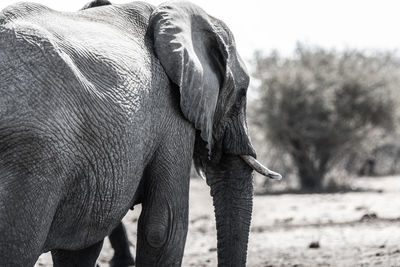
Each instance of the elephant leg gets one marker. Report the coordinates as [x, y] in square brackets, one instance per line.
[120, 243]
[163, 222]
[77, 258]
[162, 226]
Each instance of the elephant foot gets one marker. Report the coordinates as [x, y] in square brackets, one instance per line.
[125, 261]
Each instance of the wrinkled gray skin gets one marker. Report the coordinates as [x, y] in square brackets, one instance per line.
[118, 238]
[105, 108]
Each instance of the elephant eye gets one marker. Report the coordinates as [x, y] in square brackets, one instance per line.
[242, 92]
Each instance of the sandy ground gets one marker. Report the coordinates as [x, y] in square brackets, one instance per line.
[348, 229]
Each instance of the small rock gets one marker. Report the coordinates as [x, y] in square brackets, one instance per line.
[257, 229]
[288, 220]
[212, 249]
[360, 208]
[202, 229]
[202, 217]
[395, 251]
[314, 244]
[368, 217]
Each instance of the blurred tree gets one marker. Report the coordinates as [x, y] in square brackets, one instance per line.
[320, 105]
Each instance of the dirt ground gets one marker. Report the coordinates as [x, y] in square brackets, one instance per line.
[343, 229]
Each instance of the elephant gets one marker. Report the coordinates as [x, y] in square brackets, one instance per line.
[107, 107]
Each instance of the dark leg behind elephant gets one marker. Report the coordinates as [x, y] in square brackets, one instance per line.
[120, 243]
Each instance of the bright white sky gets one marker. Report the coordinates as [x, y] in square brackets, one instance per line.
[279, 24]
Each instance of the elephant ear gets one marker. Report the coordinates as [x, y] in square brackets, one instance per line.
[194, 57]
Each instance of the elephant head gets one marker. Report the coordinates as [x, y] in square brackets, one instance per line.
[199, 55]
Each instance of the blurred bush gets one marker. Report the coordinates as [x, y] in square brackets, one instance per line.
[384, 159]
[320, 109]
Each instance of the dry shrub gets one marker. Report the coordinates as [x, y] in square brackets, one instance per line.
[319, 107]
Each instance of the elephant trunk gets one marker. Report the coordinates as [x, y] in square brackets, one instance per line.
[232, 191]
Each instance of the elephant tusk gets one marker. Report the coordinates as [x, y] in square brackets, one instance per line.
[258, 167]
[200, 172]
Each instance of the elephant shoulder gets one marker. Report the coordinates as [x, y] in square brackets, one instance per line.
[21, 10]
[138, 7]
[21, 35]
[134, 16]
[20, 21]
[29, 55]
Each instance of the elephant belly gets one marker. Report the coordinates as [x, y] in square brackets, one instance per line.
[90, 210]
